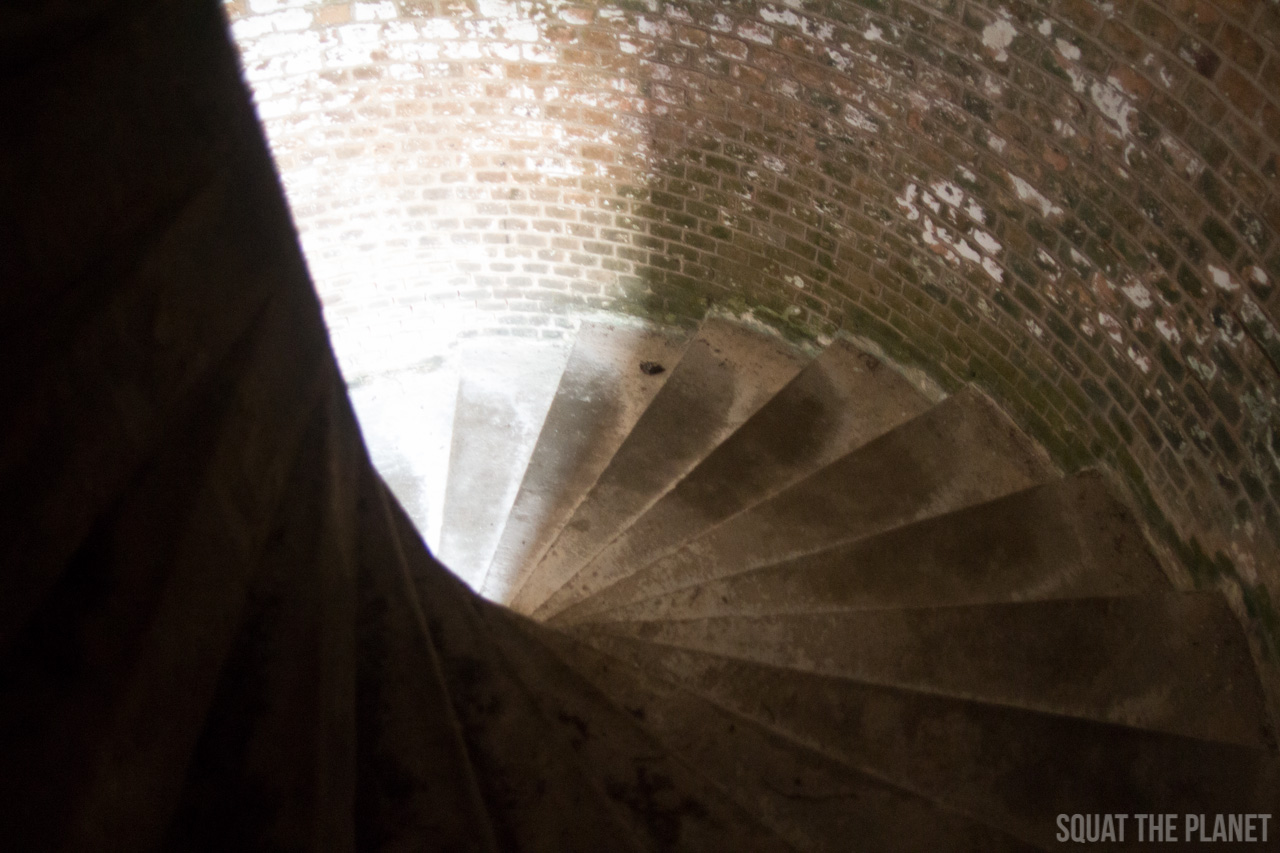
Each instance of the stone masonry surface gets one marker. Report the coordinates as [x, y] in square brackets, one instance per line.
[1073, 205]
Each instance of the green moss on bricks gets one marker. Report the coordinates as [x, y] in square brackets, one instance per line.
[790, 327]
[863, 322]
[682, 308]
[682, 303]
[654, 307]
[1150, 509]
[798, 327]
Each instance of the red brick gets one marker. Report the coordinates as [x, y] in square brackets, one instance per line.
[1238, 46]
[1242, 11]
[1116, 34]
[1150, 21]
[1081, 14]
[1240, 91]
[328, 16]
[1269, 78]
[1201, 17]
[1132, 81]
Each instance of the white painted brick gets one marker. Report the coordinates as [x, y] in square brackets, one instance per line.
[290, 20]
[247, 29]
[381, 11]
[359, 34]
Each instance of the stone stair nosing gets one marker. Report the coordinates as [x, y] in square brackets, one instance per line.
[538, 796]
[673, 805]
[959, 452]
[726, 373]
[612, 374]
[838, 402]
[816, 802]
[1007, 767]
[1067, 538]
[496, 423]
[415, 776]
[1172, 662]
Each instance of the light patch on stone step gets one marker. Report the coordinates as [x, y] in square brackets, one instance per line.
[406, 417]
[506, 388]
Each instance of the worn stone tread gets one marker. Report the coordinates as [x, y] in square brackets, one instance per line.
[839, 401]
[1172, 662]
[602, 393]
[1068, 538]
[814, 801]
[538, 795]
[671, 806]
[960, 452]
[406, 418]
[503, 396]
[414, 776]
[1011, 768]
[725, 375]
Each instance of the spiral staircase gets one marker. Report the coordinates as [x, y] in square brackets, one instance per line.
[788, 602]
[760, 599]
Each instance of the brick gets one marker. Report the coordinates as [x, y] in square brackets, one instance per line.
[1220, 237]
[1151, 22]
[1200, 56]
[1200, 16]
[332, 15]
[1241, 48]
[1240, 91]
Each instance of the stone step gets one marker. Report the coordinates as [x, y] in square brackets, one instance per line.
[1171, 662]
[415, 777]
[725, 375]
[1069, 538]
[670, 805]
[813, 801]
[286, 694]
[839, 401]
[113, 658]
[1008, 767]
[506, 388]
[612, 374]
[406, 418]
[538, 796]
[961, 452]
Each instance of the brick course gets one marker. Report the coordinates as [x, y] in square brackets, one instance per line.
[1072, 204]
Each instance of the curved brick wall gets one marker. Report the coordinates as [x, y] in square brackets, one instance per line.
[1072, 204]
